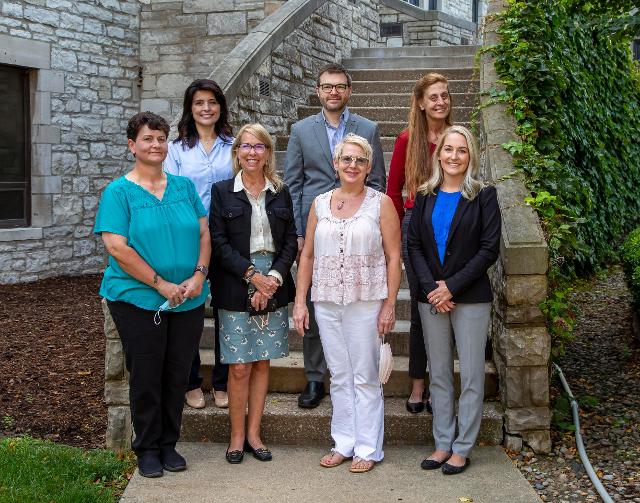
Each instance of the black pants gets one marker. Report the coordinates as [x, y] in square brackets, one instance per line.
[158, 359]
[220, 371]
[417, 351]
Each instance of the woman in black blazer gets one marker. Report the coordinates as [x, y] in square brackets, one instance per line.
[453, 239]
[254, 243]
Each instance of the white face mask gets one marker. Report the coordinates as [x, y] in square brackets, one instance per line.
[164, 307]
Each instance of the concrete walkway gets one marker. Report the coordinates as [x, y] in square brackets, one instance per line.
[295, 476]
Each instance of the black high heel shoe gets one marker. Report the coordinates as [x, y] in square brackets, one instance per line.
[261, 454]
[234, 457]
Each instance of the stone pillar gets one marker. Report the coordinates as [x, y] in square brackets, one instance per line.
[521, 344]
[116, 387]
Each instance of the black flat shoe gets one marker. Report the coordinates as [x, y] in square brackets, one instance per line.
[171, 460]
[414, 407]
[234, 457]
[448, 469]
[261, 454]
[312, 394]
[427, 406]
[149, 465]
[432, 464]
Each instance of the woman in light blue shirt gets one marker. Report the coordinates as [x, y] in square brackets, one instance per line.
[202, 153]
[155, 229]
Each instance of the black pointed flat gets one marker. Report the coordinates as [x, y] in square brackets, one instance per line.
[448, 469]
[261, 454]
[234, 457]
[433, 464]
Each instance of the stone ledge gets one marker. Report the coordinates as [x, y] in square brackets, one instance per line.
[21, 234]
[24, 52]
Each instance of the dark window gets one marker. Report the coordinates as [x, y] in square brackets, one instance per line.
[390, 29]
[433, 4]
[413, 2]
[636, 50]
[474, 10]
[15, 189]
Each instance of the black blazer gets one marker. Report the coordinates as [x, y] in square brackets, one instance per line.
[473, 246]
[230, 227]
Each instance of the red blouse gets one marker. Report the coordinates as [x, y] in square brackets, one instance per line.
[396, 180]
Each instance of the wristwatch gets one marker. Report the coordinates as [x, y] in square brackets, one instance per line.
[203, 269]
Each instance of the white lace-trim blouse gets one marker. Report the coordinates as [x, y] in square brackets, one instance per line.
[349, 263]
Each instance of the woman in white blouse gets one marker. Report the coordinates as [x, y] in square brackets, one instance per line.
[352, 253]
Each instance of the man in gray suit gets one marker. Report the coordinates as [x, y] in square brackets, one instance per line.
[309, 172]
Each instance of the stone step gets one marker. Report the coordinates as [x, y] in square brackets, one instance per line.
[287, 375]
[384, 113]
[411, 73]
[396, 100]
[406, 62]
[422, 50]
[363, 87]
[284, 423]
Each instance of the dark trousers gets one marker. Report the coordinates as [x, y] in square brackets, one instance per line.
[417, 352]
[157, 358]
[220, 372]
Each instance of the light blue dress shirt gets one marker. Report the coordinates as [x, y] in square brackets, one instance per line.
[201, 168]
[335, 134]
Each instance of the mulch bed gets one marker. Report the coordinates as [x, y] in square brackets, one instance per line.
[52, 361]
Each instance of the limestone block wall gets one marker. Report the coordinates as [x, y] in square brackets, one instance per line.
[449, 25]
[183, 40]
[82, 58]
[521, 344]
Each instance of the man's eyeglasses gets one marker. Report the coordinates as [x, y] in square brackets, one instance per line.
[347, 160]
[260, 148]
[327, 88]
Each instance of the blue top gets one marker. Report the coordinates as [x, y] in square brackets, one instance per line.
[335, 134]
[443, 211]
[201, 168]
[166, 234]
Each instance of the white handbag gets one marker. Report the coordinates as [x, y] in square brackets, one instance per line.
[386, 362]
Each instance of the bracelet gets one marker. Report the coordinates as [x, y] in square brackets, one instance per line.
[249, 274]
[155, 279]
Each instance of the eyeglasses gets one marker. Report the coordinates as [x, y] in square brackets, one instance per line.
[347, 160]
[327, 88]
[259, 148]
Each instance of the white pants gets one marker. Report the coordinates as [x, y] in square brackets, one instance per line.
[351, 345]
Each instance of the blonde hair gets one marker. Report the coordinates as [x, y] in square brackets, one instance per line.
[471, 186]
[418, 162]
[353, 139]
[263, 135]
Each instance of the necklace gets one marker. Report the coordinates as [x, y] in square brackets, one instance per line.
[342, 201]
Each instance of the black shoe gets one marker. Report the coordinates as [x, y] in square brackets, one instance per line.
[432, 464]
[171, 460]
[261, 454]
[149, 464]
[448, 469]
[427, 404]
[234, 457]
[312, 394]
[414, 407]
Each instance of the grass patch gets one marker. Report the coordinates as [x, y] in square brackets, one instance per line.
[42, 471]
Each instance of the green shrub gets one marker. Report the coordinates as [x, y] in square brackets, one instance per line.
[631, 264]
[574, 91]
[42, 471]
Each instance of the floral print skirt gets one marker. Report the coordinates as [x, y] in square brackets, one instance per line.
[244, 338]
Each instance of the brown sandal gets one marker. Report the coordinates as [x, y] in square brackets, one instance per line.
[332, 459]
[360, 465]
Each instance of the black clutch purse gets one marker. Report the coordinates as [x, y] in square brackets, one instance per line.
[272, 305]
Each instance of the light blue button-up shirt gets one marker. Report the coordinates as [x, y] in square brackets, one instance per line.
[201, 168]
[335, 134]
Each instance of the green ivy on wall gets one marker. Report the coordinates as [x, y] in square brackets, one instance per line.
[574, 91]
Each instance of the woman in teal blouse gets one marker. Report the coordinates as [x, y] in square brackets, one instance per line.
[155, 229]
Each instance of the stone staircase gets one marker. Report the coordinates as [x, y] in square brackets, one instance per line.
[383, 79]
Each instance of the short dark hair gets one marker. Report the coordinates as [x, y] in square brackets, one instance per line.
[187, 132]
[333, 68]
[153, 121]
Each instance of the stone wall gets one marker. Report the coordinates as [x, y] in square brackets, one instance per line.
[185, 39]
[521, 344]
[449, 25]
[83, 57]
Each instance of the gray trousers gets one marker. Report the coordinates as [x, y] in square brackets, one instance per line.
[468, 323]
[315, 366]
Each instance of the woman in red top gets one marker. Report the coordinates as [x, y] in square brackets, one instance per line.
[429, 116]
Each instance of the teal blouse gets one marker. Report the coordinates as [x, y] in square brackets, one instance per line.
[165, 233]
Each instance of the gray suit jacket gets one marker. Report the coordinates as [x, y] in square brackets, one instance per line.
[308, 169]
